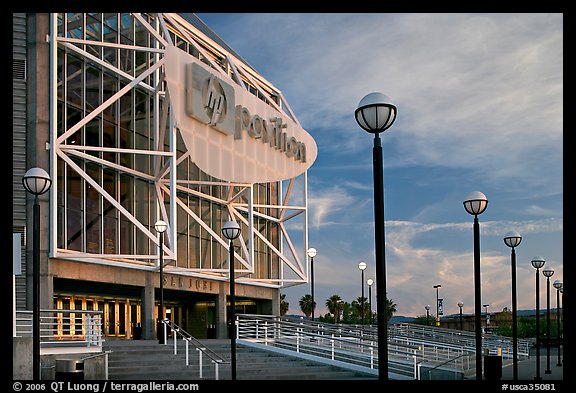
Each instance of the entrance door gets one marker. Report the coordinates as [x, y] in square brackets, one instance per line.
[117, 318]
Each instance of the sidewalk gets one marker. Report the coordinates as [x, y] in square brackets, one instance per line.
[527, 368]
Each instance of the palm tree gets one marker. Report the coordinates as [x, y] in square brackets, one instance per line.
[390, 309]
[284, 305]
[333, 305]
[306, 305]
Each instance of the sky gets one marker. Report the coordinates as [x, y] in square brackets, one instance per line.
[480, 108]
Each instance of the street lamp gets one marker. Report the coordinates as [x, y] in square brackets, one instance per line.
[487, 316]
[312, 253]
[427, 307]
[36, 181]
[375, 114]
[558, 285]
[460, 304]
[370, 282]
[231, 230]
[362, 267]
[475, 204]
[548, 272]
[513, 239]
[161, 227]
[537, 263]
[437, 305]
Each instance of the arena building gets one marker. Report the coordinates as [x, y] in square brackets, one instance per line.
[145, 117]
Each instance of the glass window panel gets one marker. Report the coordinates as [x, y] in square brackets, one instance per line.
[111, 54]
[92, 195]
[194, 254]
[127, 192]
[74, 80]
[126, 236]
[73, 116]
[109, 140]
[126, 109]
[182, 242]
[126, 29]
[126, 142]
[75, 25]
[93, 233]
[126, 61]
[110, 230]
[141, 161]
[92, 135]
[74, 230]
[93, 99]
[110, 87]
[109, 185]
[93, 26]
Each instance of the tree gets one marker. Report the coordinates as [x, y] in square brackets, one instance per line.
[306, 305]
[284, 305]
[390, 309]
[333, 304]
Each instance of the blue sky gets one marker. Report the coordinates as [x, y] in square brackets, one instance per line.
[480, 108]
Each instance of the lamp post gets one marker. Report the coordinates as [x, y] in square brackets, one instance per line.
[36, 181]
[437, 305]
[231, 230]
[548, 272]
[513, 239]
[375, 114]
[161, 227]
[370, 282]
[537, 263]
[427, 307]
[558, 285]
[460, 304]
[362, 267]
[475, 204]
[312, 253]
[487, 316]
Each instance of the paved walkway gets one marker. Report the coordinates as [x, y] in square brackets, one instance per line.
[527, 368]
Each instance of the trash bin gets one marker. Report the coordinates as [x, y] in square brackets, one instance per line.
[492, 367]
[69, 370]
[137, 332]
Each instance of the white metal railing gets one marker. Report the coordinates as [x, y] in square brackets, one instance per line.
[343, 345]
[187, 338]
[63, 328]
[410, 346]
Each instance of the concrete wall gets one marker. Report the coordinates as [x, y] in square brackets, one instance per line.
[22, 358]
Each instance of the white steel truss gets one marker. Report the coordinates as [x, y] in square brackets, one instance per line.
[239, 200]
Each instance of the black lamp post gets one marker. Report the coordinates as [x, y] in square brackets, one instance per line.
[558, 285]
[460, 304]
[437, 305]
[475, 204]
[362, 267]
[312, 253]
[537, 263]
[231, 230]
[375, 114]
[370, 282]
[548, 272]
[36, 181]
[427, 307]
[513, 240]
[161, 227]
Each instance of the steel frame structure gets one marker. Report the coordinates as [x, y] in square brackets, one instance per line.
[293, 266]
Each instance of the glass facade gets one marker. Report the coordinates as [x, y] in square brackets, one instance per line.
[116, 153]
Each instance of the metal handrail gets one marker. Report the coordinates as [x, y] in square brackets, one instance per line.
[60, 329]
[440, 365]
[199, 346]
[346, 347]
